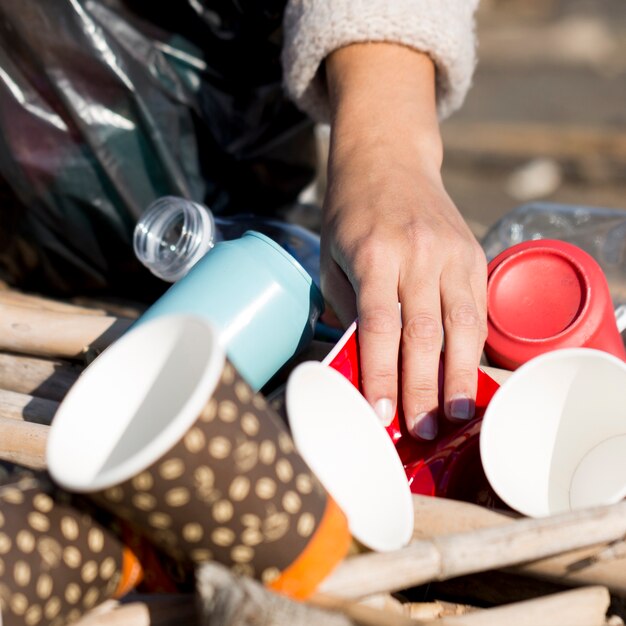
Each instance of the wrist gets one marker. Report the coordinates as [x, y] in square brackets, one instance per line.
[382, 99]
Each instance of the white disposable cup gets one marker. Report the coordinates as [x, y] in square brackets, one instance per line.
[342, 440]
[553, 437]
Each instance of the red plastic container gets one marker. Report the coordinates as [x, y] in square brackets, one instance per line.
[448, 466]
[545, 295]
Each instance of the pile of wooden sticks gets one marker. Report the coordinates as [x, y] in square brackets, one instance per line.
[466, 565]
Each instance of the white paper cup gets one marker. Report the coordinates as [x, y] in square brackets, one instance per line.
[342, 440]
[553, 437]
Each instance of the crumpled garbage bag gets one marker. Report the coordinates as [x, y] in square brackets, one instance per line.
[107, 105]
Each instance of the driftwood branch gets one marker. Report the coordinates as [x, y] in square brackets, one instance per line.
[21, 406]
[603, 564]
[155, 610]
[11, 296]
[119, 307]
[32, 331]
[579, 607]
[458, 554]
[44, 378]
[23, 443]
[585, 607]
[229, 600]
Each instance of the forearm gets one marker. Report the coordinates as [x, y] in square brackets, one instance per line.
[382, 96]
[315, 29]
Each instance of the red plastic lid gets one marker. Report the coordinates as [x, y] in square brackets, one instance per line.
[537, 294]
[544, 295]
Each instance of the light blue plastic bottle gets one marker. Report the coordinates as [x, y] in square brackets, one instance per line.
[260, 298]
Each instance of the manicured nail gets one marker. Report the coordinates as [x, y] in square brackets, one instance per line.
[425, 425]
[384, 410]
[461, 408]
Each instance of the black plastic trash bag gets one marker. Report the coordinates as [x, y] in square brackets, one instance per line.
[107, 105]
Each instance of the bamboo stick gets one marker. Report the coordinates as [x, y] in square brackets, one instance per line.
[49, 333]
[44, 378]
[21, 406]
[23, 443]
[464, 553]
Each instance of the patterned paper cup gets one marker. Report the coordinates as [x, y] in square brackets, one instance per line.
[56, 563]
[162, 431]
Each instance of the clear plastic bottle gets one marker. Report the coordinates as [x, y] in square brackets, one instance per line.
[174, 233]
[600, 232]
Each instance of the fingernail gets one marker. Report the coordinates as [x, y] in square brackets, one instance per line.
[461, 408]
[425, 425]
[384, 410]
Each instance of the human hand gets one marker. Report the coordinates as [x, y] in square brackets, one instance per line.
[391, 234]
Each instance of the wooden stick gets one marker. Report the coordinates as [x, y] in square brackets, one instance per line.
[118, 307]
[47, 333]
[363, 614]
[599, 565]
[465, 553]
[44, 378]
[23, 443]
[228, 600]
[494, 588]
[586, 606]
[21, 406]
[149, 611]
[11, 296]
[433, 517]
[436, 609]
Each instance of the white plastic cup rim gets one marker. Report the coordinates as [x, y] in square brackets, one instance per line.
[134, 402]
[342, 440]
[554, 435]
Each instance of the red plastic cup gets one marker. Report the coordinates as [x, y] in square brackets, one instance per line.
[450, 465]
[545, 295]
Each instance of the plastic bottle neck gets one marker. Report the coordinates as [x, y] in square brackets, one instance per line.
[172, 235]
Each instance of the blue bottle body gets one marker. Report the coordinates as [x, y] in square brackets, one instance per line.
[263, 303]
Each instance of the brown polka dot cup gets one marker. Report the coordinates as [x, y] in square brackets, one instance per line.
[56, 563]
[161, 430]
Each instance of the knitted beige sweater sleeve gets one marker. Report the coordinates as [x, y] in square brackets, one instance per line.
[314, 28]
